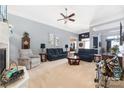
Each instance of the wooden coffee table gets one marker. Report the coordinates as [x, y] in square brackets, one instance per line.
[74, 60]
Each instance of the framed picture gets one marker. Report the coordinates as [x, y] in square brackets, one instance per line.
[51, 39]
[54, 40]
[57, 41]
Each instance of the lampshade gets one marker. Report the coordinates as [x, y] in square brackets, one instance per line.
[42, 46]
[66, 46]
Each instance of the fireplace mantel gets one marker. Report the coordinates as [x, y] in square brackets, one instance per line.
[4, 40]
[3, 45]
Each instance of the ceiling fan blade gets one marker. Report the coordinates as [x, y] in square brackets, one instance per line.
[60, 19]
[66, 9]
[62, 15]
[65, 22]
[71, 15]
[72, 20]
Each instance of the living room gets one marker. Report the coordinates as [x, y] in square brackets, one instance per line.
[53, 43]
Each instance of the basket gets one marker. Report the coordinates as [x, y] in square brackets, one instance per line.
[11, 75]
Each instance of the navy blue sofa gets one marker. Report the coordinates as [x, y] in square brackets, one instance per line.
[86, 54]
[55, 53]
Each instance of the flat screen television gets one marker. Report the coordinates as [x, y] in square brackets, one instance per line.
[2, 60]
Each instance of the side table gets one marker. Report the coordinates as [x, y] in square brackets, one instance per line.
[43, 57]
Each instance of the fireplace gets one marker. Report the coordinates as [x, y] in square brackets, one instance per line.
[2, 59]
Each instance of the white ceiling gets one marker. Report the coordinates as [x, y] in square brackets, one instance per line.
[85, 15]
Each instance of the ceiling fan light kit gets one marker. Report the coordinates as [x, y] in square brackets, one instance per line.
[67, 17]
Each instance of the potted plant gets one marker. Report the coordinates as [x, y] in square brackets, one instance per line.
[25, 34]
[115, 49]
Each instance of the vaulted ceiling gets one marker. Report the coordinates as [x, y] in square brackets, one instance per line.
[85, 15]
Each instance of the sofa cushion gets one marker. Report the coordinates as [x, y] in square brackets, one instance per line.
[55, 56]
[86, 54]
[50, 51]
[25, 53]
[56, 53]
[60, 51]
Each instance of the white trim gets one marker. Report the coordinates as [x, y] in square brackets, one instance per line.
[110, 29]
[107, 22]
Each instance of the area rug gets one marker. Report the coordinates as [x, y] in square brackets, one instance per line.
[59, 74]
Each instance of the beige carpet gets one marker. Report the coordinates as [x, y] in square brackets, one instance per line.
[59, 74]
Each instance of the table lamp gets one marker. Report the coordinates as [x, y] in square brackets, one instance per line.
[66, 46]
[42, 46]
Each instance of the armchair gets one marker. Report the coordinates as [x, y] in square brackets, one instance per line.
[28, 59]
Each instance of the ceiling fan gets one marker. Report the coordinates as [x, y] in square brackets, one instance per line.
[67, 17]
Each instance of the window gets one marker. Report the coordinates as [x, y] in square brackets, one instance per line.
[113, 37]
[114, 42]
[3, 12]
[86, 43]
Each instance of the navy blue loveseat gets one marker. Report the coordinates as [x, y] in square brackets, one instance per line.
[86, 54]
[55, 53]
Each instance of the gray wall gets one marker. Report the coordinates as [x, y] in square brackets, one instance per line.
[38, 34]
